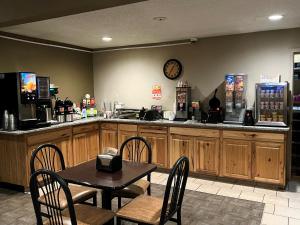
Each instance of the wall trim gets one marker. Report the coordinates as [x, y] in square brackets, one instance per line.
[42, 42]
[145, 46]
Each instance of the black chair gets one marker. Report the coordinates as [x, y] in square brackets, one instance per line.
[54, 189]
[135, 149]
[50, 157]
[153, 210]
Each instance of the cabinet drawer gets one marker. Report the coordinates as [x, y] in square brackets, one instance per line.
[85, 128]
[253, 136]
[109, 126]
[127, 127]
[50, 136]
[195, 132]
[153, 129]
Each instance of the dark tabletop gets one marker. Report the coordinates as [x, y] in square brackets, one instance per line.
[86, 174]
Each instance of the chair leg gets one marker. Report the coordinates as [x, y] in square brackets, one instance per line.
[118, 221]
[179, 216]
[119, 202]
[95, 200]
[149, 190]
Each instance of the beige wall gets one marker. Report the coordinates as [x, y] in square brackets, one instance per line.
[71, 70]
[128, 75]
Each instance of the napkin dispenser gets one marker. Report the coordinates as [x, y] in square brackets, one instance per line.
[109, 162]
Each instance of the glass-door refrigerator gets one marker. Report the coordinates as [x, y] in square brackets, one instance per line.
[271, 104]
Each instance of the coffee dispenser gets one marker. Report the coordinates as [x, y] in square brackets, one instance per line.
[18, 97]
[44, 103]
[183, 103]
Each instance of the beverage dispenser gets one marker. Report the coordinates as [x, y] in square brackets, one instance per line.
[235, 88]
[18, 97]
[183, 102]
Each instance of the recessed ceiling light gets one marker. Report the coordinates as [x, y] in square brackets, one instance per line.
[275, 17]
[106, 39]
[160, 18]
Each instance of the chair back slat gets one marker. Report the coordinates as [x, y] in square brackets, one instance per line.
[136, 149]
[175, 189]
[47, 156]
[53, 188]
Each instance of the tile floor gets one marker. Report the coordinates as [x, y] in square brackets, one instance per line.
[282, 207]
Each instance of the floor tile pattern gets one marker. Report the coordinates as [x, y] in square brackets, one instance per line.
[199, 208]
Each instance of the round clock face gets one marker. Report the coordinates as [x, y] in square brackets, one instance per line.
[172, 69]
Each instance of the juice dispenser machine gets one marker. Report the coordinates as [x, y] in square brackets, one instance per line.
[183, 103]
[271, 104]
[235, 88]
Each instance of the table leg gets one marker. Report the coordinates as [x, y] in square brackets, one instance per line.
[106, 199]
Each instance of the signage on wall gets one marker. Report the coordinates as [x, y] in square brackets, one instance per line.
[156, 92]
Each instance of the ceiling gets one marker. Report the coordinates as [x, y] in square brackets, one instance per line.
[133, 24]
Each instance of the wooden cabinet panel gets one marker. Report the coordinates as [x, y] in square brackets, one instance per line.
[268, 163]
[49, 136]
[128, 127]
[93, 145]
[195, 132]
[80, 148]
[236, 158]
[206, 155]
[85, 146]
[109, 126]
[108, 138]
[153, 129]
[159, 147]
[65, 145]
[181, 146]
[85, 128]
[246, 135]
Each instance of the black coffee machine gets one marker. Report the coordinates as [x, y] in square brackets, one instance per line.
[215, 112]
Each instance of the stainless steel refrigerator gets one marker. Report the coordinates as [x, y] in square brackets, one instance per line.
[272, 104]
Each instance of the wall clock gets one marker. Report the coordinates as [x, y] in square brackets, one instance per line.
[172, 69]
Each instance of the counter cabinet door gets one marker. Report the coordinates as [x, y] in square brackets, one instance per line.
[181, 146]
[80, 148]
[206, 155]
[236, 158]
[268, 163]
[159, 147]
[93, 144]
[108, 138]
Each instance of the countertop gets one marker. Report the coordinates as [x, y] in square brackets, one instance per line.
[189, 123]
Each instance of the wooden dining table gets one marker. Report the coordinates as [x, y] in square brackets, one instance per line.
[86, 174]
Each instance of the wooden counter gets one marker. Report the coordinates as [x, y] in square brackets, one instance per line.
[258, 155]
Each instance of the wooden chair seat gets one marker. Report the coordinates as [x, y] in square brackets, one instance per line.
[79, 194]
[143, 209]
[87, 215]
[90, 215]
[137, 188]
